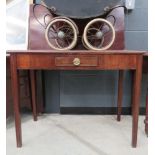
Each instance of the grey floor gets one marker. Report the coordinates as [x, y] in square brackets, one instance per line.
[76, 135]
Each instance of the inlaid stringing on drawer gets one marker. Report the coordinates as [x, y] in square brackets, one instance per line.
[88, 61]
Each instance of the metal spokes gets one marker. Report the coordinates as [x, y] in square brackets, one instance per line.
[61, 34]
[99, 34]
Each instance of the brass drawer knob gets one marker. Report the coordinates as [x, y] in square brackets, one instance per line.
[76, 61]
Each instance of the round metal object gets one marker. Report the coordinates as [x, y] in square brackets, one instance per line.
[53, 9]
[76, 61]
[99, 34]
[61, 33]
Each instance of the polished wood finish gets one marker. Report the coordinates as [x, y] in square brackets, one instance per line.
[9, 105]
[119, 43]
[136, 100]
[15, 93]
[137, 76]
[37, 32]
[37, 41]
[33, 92]
[25, 94]
[120, 94]
[69, 60]
[107, 60]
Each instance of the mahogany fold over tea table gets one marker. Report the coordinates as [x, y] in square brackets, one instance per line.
[76, 60]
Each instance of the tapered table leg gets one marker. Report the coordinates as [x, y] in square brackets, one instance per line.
[33, 94]
[15, 95]
[120, 94]
[136, 100]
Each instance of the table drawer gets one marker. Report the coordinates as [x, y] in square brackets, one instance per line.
[83, 61]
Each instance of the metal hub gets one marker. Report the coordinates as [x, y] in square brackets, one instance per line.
[99, 34]
[61, 34]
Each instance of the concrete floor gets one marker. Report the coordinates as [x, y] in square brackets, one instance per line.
[76, 135]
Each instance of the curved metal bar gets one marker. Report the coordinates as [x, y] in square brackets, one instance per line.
[113, 18]
[45, 19]
[43, 25]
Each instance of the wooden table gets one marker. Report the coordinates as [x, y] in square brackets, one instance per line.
[75, 60]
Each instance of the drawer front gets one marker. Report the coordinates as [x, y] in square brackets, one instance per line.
[83, 61]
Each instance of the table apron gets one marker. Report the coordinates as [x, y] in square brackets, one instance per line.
[66, 62]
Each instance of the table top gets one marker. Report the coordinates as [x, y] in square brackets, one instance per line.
[114, 52]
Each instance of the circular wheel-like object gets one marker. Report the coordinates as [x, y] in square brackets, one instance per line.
[99, 34]
[61, 33]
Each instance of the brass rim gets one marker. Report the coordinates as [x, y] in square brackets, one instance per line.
[85, 37]
[71, 41]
